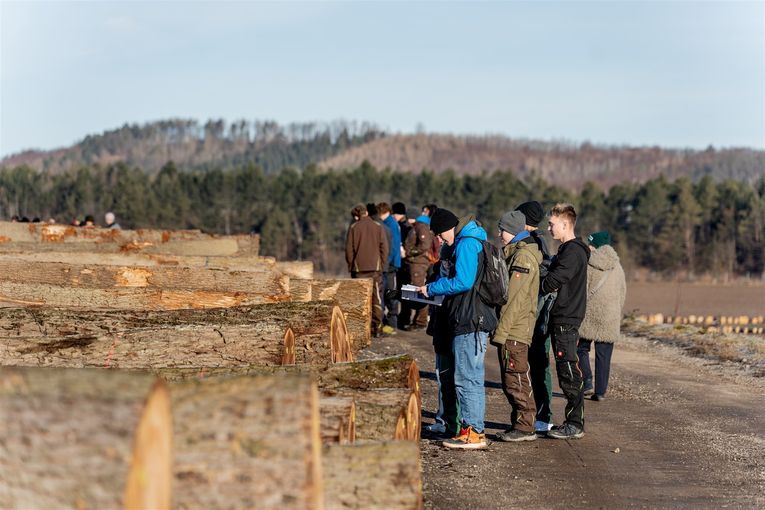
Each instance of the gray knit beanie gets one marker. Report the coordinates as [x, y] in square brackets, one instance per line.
[513, 222]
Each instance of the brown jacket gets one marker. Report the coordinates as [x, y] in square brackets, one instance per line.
[417, 244]
[366, 246]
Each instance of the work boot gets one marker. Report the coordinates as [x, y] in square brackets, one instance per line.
[512, 436]
[467, 439]
[566, 431]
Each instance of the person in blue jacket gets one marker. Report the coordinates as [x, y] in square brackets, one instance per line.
[391, 296]
[470, 321]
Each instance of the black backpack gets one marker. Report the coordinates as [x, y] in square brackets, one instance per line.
[494, 276]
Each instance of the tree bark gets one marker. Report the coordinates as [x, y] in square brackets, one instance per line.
[298, 269]
[382, 373]
[354, 295]
[67, 439]
[247, 442]
[384, 476]
[338, 420]
[227, 337]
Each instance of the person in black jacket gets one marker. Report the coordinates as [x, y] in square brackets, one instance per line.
[567, 276]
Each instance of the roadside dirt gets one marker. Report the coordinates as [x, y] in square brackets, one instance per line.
[674, 432]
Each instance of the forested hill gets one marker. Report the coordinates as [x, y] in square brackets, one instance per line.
[564, 164]
[194, 146]
[343, 145]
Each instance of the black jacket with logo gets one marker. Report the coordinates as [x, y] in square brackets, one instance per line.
[568, 276]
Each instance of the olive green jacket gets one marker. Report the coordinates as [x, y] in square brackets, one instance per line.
[519, 314]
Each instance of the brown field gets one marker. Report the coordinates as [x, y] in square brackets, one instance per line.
[695, 298]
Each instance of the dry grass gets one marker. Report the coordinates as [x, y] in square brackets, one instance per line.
[745, 349]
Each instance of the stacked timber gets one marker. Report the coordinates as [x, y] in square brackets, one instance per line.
[29, 237]
[256, 373]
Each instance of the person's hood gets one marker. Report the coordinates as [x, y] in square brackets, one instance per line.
[423, 218]
[469, 226]
[604, 258]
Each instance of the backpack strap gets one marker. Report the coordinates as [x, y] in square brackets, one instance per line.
[601, 282]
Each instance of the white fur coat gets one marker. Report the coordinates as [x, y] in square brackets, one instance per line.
[605, 300]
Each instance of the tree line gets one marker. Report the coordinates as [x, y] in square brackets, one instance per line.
[665, 226]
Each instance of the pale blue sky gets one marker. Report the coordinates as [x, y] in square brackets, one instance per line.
[675, 74]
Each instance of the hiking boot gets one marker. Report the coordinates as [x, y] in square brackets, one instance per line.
[436, 428]
[467, 439]
[388, 330]
[512, 435]
[598, 398]
[566, 431]
[542, 427]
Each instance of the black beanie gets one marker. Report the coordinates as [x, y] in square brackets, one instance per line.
[442, 220]
[399, 208]
[533, 211]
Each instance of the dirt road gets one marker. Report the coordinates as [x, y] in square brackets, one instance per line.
[674, 432]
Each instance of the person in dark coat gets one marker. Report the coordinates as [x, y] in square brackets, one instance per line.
[568, 277]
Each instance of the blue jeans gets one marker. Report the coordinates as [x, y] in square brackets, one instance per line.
[469, 351]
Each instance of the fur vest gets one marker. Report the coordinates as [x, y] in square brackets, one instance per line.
[605, 299]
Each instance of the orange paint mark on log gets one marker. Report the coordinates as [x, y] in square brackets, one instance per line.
[133, 277]
[165, 236]
[4, 239]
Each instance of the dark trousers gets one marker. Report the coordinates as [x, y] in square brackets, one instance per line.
[391, 294]
[541, 378]
[565, 339]
[514, 367]
[377, 287]
[603, 351]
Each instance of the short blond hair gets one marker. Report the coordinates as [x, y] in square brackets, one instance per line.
[565, 211]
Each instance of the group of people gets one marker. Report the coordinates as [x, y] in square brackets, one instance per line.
[393, 246]
[110, 221]
[562, 302]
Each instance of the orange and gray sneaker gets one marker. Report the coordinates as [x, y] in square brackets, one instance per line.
[467, 439]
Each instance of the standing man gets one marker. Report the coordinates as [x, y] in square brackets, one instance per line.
[390, 293]
[366, 253]
[568, 277]
[539, 351]
[470, 321]
[416, 247]
[516, 325]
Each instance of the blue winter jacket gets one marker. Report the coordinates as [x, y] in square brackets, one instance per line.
[394, 253]
[467, 252]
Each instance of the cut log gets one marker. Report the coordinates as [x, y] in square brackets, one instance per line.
[228, 337]
[247, 443]
[128, 298]
[384, 476]
[338, 420]
[24, 237]
[382, 373]
[266, 281]
[354, 295]
[67, 439]
[299, 269]
[385, 414]
[144, 259]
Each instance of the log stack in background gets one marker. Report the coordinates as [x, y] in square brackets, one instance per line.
[233, 370]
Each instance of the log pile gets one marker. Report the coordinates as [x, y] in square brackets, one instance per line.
[227, 373]
[743, 324]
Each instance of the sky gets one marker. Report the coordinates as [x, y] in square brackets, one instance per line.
[683, 74]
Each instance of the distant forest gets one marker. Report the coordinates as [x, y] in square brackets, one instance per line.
[666, 226]
[344, 145]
